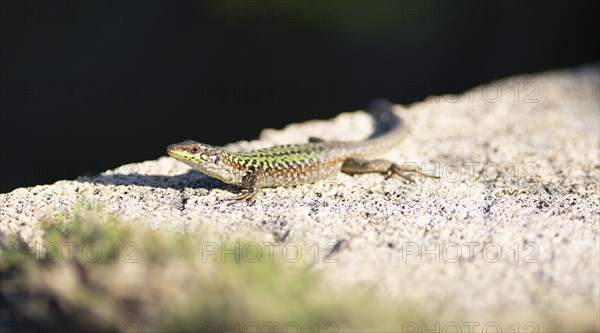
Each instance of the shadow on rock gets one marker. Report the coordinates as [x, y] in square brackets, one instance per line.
[191, 179]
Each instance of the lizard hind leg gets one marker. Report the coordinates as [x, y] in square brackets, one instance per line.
[389, 168]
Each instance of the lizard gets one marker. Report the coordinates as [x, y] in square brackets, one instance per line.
[295, 164]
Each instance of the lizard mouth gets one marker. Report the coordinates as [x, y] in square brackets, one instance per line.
[170, 149]
[177, 153]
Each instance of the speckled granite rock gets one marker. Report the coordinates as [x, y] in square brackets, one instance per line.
[509, 234]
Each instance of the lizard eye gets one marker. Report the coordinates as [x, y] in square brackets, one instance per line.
[195, 150]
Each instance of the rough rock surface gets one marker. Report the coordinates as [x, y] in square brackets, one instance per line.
[510, 233]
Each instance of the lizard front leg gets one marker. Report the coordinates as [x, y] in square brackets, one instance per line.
[389, 168]
[253, 183]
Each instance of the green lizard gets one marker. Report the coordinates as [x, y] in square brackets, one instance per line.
[295, 164]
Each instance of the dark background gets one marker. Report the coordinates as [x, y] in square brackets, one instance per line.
[88, 86]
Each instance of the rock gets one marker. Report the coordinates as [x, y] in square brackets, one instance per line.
[509, 233]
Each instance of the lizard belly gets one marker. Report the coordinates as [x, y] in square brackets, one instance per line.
[301, 174]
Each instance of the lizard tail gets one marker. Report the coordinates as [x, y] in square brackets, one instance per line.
[388, 133]
[389, 125]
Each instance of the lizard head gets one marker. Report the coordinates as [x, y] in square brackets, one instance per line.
[205, 158]
[194, 154]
